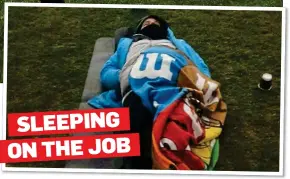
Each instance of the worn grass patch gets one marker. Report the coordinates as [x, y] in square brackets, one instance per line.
[50, 50]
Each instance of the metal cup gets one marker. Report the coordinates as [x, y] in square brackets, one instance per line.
[265, 82]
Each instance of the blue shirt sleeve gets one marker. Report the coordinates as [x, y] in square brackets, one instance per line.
[111, 69]
[110, 73]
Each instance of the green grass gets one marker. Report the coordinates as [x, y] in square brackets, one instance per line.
[50, 50]
[262, 3]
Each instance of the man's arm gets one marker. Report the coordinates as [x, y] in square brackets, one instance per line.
[110, 73]
[111, 69]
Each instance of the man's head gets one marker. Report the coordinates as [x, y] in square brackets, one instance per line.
[153, 26]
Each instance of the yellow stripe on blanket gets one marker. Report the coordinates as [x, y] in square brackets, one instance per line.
[205, 151]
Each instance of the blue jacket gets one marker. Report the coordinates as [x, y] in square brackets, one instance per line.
[110, 71]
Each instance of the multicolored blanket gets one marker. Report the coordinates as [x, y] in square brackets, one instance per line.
[188, 107]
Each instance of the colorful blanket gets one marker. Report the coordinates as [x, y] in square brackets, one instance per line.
[188, 107]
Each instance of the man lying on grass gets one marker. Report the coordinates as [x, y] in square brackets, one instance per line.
[175, 106]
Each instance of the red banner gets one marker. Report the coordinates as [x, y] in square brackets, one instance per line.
[64, 122]
[68, 148]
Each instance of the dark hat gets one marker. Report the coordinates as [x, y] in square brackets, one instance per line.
[162, 22]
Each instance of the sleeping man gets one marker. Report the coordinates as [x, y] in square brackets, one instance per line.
[175, 106]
